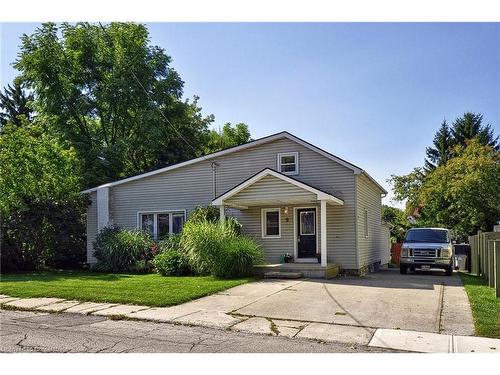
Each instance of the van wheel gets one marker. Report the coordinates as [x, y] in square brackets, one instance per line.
[402, 270]
[449, 271]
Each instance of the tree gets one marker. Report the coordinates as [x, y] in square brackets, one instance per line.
[113, 96]
[40, 207]
[470, 126]
[396, 218]
[407, 187]
[15, 105]
[35, 166]
[464, 193]
[228, 137]
[441, 152]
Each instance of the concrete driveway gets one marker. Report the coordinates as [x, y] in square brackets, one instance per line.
[343, 309]
[425, 301]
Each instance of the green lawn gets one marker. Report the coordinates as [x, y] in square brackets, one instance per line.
[485, 306]
[150, 289]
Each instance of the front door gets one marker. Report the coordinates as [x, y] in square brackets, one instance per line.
[306, 233]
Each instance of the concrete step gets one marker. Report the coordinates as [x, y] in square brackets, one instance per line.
[282, 275]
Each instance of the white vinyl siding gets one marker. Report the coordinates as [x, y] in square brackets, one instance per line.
[365, 222]
[369, 223]
[191, 186]
[268, 190]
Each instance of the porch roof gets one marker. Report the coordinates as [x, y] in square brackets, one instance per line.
[269, 187]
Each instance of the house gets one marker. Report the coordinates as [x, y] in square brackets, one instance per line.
[289, 195]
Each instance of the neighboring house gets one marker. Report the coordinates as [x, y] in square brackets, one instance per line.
[289, 195]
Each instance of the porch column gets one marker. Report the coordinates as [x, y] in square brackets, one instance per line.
[222, 213]
[323, 234]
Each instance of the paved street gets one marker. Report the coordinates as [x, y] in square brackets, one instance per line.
[26, 331]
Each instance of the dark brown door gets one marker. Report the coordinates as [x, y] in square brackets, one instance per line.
[306, 233]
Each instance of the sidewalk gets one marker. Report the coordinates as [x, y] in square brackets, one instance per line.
[210, 316]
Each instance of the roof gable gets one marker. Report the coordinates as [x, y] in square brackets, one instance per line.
[269, 182]
[251, 144]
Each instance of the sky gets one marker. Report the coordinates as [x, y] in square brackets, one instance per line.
[371, 93]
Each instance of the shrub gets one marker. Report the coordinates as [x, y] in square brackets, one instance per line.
[43, 235]
[237, 257]
[172, 263]
[202, 243]
[141, 266]
[212, 215]
[208, 213]
[217, 248]
[122, 250]
[172, 242]
[234, 225]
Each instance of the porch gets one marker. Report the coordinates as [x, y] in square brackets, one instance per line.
[286, 216]
[307, 270]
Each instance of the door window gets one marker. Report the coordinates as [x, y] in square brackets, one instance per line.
[307, 223]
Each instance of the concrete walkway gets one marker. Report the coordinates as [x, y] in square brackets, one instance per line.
[370, 311]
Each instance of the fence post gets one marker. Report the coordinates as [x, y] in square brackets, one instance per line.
[480, 255]
[491, 264]
[474, 255]
[496, 249]
[483, 257]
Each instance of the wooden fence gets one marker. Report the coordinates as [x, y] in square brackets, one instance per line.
[485, 254]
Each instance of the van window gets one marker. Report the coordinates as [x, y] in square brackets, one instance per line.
[427, 235]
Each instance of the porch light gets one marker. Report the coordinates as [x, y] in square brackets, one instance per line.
[286, 210]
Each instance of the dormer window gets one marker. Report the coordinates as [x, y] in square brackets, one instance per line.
[288, 163]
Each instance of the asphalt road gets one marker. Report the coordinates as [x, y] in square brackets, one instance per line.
[25, 331]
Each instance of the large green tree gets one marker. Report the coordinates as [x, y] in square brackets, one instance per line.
[113, 96]
[228, 136]
[407, 187]
[40, 207]
[464, 128]
[464, 193]
[15, 105]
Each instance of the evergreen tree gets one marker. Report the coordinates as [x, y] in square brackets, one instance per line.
[470, 126]
[441, 152]
[14, 102]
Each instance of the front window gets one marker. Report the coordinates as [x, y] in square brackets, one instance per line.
[427, 235]
[177, 222]
[162, 224]
[147, 223]
[271, 227]
[288, 163]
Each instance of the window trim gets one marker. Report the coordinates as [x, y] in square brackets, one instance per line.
[294, 154]
[365, 222]
[155, 214]
[263, 228]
